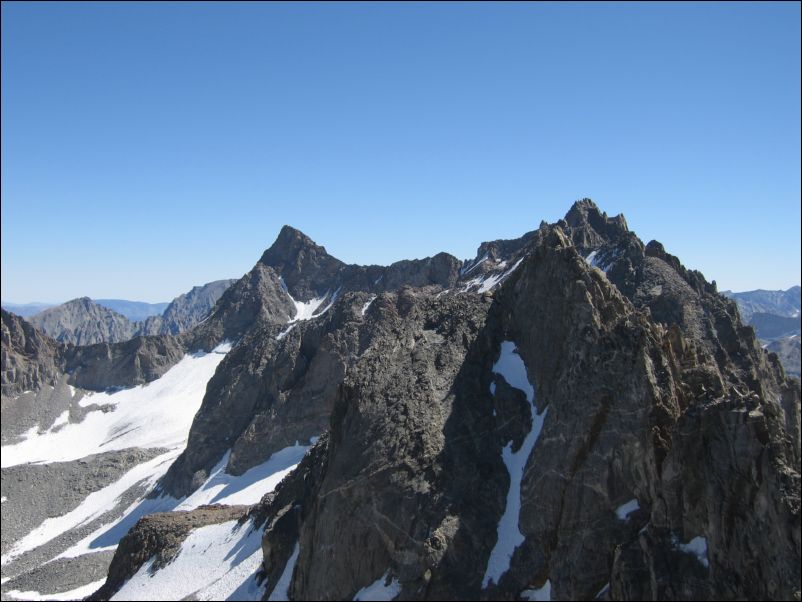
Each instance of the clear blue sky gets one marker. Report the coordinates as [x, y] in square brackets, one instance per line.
[150, 147]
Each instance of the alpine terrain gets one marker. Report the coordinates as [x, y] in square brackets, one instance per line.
[572, 414]
[85, 322]
[775, 316]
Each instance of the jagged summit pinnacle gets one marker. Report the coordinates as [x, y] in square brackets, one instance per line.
[290, 244]
[591, 226]
[586, 211]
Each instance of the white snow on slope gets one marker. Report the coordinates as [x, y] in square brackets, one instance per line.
[604, 265]
[74, 594]
[624, 510]
[282, 589]
[214, 563]
[697, 546]
[473, 266]
[367, 305]
[286, 331]
[380, 589]
[249, 487]
[512, 368]
[157, 414]
[219, 488]
[306, 310]
[62, 420]
[93, 506]
[486, 283]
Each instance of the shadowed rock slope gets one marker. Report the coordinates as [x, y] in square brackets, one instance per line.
[637, 443]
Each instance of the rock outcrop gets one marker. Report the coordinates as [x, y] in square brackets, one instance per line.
[657, 473]
[159, 535]
[29, 358]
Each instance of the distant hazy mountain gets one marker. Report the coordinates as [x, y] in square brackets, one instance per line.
[779, 303]
[136, 311]
[770, 326]
[26, 309]
[186, 310]
[775, 317]
[788, 350]
[85, 321]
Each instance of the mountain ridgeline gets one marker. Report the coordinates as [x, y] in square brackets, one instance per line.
[571, 415]
[87, 322]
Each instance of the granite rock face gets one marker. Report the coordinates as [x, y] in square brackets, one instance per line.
[571, 413]
[29, 358]
[648, 479]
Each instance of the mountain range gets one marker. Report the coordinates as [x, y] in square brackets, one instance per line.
[136, 311]
[775, 316]
[86, 322]
[571, 414]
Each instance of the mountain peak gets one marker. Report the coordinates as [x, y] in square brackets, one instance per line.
[586, 211]
[305, 266]
[289, 243]
[590, 225]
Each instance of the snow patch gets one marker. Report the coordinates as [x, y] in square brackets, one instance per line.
[282, 589]
[466, 270]
[94, 505]
[286, 331]
[223, 347]
[214, 563]
[219, 488]
[624, 510]
[306, 310]
[249, 487]
[512, 368]
[157, 414]
[697, 546]
[487, 283]
[62, 420]
[380, 589]
[367, 305]
[603, 263]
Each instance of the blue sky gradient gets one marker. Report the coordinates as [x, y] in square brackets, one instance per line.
[147, 148]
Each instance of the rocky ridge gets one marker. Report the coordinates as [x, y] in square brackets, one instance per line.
[648, 449]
